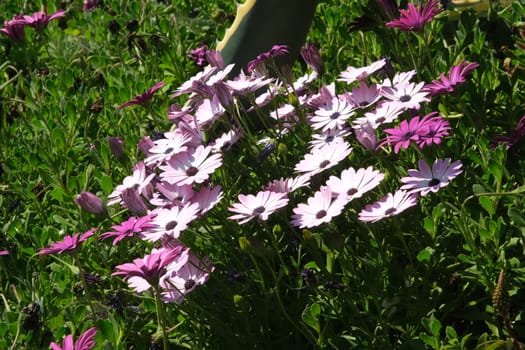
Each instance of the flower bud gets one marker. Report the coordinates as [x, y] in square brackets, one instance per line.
[90, 203]
[311, 56]
[115, 144]
[134, 202]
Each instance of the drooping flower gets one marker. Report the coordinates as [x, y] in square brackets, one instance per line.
[142, 98]
[184, 275]
[69, 243]
[389, 205]
[427, 180]
[40, 19]
[321, 208]
[90, 203]
[415, 17]
[86, 341]
[14, 28]
[145, 272]
[409, 95]
[323, 158]
[261, 206]
[352, 74]
[187, 168]
[171, 221]
[456, 76]
[353, 184]
[129, 228]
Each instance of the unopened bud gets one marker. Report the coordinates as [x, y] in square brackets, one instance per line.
[90, 203]
[134, 201]
[115, 144]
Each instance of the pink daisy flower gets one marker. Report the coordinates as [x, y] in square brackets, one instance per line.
[142, 273]
[69, 243]
[321, 208]
[225, 141]
[170, 221]
[169, 195]
[389, 205]
[400, 78]
[383, 114]
[139, 181]
[207, 197]
[164, 148]
[143, 98]
[352, 74]
[363, 96]
[187, 168]
[332, 116]
[260, 206]
[328, 137]
[437, 129]
[427, 180]
[409, 96]
[323, 158]
[456, 76]
[365, 135]
[244, 85]
[129, 228]
[353, 184]
[184, 275]
[288, 185]
[86, 341]
[415, 17]
[406, 132]
[39, 20]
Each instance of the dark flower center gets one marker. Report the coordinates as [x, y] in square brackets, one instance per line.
[434, 182]
[351, 191]
[189, 284]
[335, 115]
[380, 120]
[408, 135]
[192, 171]
[405, 98]
[329, 138]
[390, 211]
[324, 163]
[259, 210]
[320, 214]
[171, 225]
[363, 103]
[168, 150]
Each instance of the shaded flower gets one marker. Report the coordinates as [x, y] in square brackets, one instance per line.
[310, 54]
[259, 206]
[415, 17]
[363, 96]
[139, 180]
[86, 341]
[145, 272]
[187, 168]
[207, 197]
[365, 135]
[352, 74]
[40, 19]
[456, 76]
[184, 275]
[4, 252]
[427, 180]
[90, 203]
[275, 51]
[389, 205]
[143, 98]
[132, 200]
[69, 243]
[323, 158]
[353, 184]
[90, 5]
[115, 145]
[15, 28]
[321, 208]
[129, 228]
[199, 55]
[169, 195]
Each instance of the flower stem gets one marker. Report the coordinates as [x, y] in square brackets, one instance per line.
[161, 318]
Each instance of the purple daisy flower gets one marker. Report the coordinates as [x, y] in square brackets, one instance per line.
[69, 243]
[40, 19]
[456, 76]
[129, 228]
[427, 180]
[415, 17]
[261, 206]
[407, 131]
[389, 205]
[86, 341]
[143, 98]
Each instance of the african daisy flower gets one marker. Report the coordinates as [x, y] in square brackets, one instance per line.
[207, 197]
[4, 252]
[427, 180]
[86, 341]
[143, 98]
[389, 205]
[321, 208]
[69, 243]
[288, 185]
[363, 96]
[260, 206]
[145, 272]
[383, 114]
[168, 195]
[437, 129]
[456, 76]
[332, 115]
[353, 184]
[323, 158]
[171, 221]
[406, 132]
[244, 85]
[329, 137]
[409, 96]
[173, 143]
[414, 18]
[14, 28]
[139, 180]
[187, 168]
[40, 19]
[129, 228]
[184, 275]
[352, 74]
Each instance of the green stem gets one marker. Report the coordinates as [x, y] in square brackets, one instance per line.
[161, 318]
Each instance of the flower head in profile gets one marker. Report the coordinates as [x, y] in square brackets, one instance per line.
[184, 275]
[69, 243]
[415, 17]
[389, 205]
[260, 60]
[140, 181]
[143, 98]
[312, 57]
[129, 228]
[90, 5]
[14, 28]
[288, 185]
[456, 76]
[4, 252]
[199, 55]
[145, 272]
[428, 179]
[86, 341]
[352, 74]
[39, 20]
[261, 206]
[320, 208]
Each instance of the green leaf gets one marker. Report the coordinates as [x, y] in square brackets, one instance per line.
[517, 216]
[432, 325]
[425, 254]
[488, 203]
[310, 316]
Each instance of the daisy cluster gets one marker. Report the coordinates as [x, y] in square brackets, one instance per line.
[176, 183]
